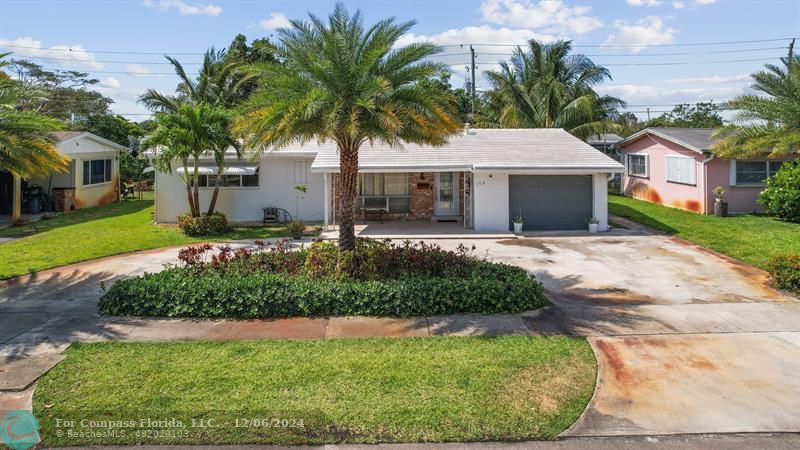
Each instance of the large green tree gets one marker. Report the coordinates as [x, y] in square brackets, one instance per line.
[219, 83]
[185, 135]
[765, 124]
[342, 82]
[699, 115]
[546, 86]
[27, 144]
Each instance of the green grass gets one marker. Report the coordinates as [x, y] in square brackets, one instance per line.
[96, 232]
[349, 390]
[752, 238]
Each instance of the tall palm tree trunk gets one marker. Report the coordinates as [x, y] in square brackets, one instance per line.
[16, 206]
[213, 203]
[196, 193]
[348, 163]
[188, 181]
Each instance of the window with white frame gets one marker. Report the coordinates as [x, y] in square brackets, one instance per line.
[228, 181]
[681, 169]
[96, 171]
[638, 165]
[754, 172]
[301, 169]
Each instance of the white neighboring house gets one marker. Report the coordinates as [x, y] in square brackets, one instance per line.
[482, 178]
[92, 177]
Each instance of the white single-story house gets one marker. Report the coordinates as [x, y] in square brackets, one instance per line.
[482, 178]
[91, 179]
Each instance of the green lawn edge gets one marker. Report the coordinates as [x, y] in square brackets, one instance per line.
[366, 390]
[97, 232]
[751, 238]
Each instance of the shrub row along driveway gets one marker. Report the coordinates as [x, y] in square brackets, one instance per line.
[686, 341]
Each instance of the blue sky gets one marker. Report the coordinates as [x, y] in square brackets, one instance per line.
[75, 34]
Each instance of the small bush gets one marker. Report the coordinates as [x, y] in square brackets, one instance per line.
[378, 279]
[785, 271]
[206, 224]
[782, 195]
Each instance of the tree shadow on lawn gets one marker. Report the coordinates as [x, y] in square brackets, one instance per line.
[640, 217]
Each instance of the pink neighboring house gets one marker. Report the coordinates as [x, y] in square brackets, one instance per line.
[674, 167]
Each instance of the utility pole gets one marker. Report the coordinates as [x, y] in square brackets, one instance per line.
[648, 114]
[472, 69]
[791, 49]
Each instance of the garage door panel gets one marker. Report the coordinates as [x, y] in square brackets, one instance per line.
[550, 202]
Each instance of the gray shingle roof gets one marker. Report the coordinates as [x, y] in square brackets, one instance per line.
[697, 139]
[64, 135]
[482, 149]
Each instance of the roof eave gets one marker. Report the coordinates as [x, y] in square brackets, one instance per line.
[640, 134]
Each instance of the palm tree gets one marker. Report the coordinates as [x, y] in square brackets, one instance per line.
[342, 82]
[220, 83]
[185, 135]
[27, 145]
[765, 124]
[547, 87]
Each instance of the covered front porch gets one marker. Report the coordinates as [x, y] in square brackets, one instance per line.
[415, 199]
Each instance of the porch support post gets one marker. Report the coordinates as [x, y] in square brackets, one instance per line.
[16, 209]
[327, 177]
[600, 200]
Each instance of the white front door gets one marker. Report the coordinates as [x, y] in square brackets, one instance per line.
[445, 194]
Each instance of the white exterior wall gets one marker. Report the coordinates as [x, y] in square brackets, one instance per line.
[600, 195]
[277, 178]
[490, 194]
[491, 199]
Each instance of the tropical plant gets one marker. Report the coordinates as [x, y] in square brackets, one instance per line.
[219, 83]
[545, 86]
[184, 135]
[27, 145]
[765, 124]
[782, 194]
[350, 85]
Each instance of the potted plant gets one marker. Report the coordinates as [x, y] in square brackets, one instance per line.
[720, 206]
[518, 222]
[594, 225]
[296, 228]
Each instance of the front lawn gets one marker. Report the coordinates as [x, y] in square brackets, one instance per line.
[96, 232]
[328, 391]
[752, 238]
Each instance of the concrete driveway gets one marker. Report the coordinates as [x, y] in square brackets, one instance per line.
[687, 341]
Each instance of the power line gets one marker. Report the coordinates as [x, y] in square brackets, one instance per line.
[670, 63]
[103, 51]
[694, 44]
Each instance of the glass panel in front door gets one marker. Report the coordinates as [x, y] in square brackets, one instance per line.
[446, 190]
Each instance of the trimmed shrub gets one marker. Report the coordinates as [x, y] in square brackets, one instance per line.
[206, 224]
[410, 280]
[785, 271]
[782, 195]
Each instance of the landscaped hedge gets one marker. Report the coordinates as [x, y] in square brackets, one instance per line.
[310, 283]
[785, 271]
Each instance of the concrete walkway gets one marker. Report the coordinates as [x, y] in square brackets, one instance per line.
[687, 341]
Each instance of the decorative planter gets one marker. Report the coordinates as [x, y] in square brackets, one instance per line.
[297, 235]
[721, 209]
[517, 228]
[593, 228]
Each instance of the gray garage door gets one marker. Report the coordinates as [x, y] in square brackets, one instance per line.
[550, 202]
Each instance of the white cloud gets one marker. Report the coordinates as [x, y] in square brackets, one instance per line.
[70, 56]
[705, 2]
[678, 5]
[642, 94]
[549, 16]
[483, 34]
[184, 9]
[643, 2]
[109, 83]
[712, 79]
[635, 37]
[275, 21]
[137, 70]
